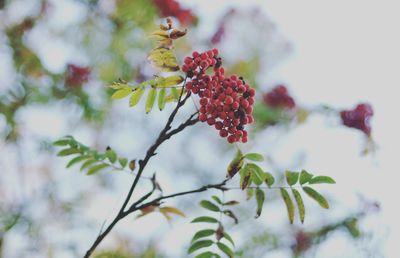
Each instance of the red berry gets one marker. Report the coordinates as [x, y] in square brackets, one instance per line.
[223, 133]
[231, 139]
[210, 121]
[203, 101]
[195, 54]
[202, 117]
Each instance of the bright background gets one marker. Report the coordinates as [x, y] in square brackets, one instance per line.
[337, 53]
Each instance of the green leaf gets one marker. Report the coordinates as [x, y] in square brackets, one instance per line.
[215, 198]
[300, 204]
[224, 248]
[249, 193]
[123, 162]
[235, 165]
[136, 96]
[244, 178]
[291, 177]
[161, 99]
[151, 98]
[269, 179]
[87, 163]
[122, 93]
[322, 180]
[200, 244]
[305, 177]
[260, 197]
[229, 238]
[316, 196]
[69, 151]
[96, 168]
[289, 204]
[175, 93]
[111, 155]
[171, 81]
[257, 174]
[205, 219]
[232, 215]
[230, 203]
[62, 142]
[209, 206]
[254, 156]
[76, 160]
[207, 254]
[203, 233]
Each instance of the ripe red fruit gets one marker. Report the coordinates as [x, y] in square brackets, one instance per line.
[278, 97]
[224, 101]
[223, 133]
[76, 75]
[358, 118]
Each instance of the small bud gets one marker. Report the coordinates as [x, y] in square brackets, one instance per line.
[132, 164]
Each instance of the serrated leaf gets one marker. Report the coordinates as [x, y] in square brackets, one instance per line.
[202, 233]
[62, 142]
[205, 219]
[260, 197]
[321, 180]
[232, 215]
[230, 203]
[136, 96]
[291, 177]
[254, 156]
[173, 210]
[123, 162]
[209, 206]
[305, 177]
[207, 254]
[257, 174]
[229, 238]
[151, 98]
[216, 199]
[111, 155]
[289, 204]
[161, 99]
[199, 244]
[96, 168]
[224, 248]
[172, 80]
[164, 59]
[235, 165]
[316, 196]
[87, 163]
[76, 160]
[121, 93]
[300, 204]
[269, 179]
[69, 151]
[244, 178]
[175, 93]
[249, 193]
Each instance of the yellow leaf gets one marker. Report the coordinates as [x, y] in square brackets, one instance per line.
[172, 210]
[122, 93]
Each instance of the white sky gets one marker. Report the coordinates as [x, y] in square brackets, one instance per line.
[344, 52]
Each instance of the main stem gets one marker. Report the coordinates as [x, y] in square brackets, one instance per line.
[163, 136]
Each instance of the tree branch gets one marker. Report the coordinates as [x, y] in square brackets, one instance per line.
[164, 135]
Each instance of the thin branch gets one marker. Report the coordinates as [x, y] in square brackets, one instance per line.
[219, 186]
[164, 135]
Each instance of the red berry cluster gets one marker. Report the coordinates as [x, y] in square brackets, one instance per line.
[76, 75]
[279, 97]
[174, 9]
[225, 102]
[358, 118]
